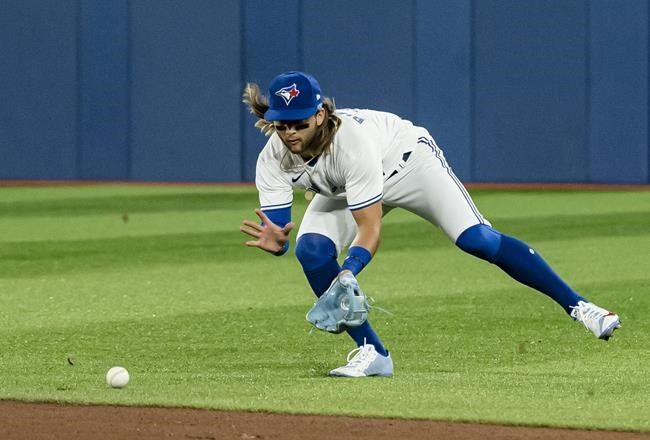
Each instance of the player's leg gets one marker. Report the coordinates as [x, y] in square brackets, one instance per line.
[431, 190]
[326, 229]
[518, 260]
[527, 266]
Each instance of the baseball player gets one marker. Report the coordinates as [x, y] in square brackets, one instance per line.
[359, 165]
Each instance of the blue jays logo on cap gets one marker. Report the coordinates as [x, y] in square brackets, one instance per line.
[293, 96]
[288, 93]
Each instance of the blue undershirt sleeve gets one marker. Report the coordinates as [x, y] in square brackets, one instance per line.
[280, 217]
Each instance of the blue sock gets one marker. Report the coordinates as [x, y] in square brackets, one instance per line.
[364, 334]
[317, 255]
[525, 265]
[518, 260]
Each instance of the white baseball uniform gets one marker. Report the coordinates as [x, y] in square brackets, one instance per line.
[374, 156]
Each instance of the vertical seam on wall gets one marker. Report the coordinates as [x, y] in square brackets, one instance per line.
[129, 91]
[414, 60]
[299, 40]
[472, 91]
[242, 80]
[587, 49]
[79, 101]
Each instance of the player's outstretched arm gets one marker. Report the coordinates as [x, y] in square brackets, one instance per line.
[268, 236]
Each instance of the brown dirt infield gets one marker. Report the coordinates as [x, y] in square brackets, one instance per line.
[40, 421]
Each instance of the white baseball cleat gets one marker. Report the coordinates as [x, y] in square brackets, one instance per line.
[601, 322]
[366, 362]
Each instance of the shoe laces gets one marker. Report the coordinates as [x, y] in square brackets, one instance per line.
[586, 312]
[362, 357]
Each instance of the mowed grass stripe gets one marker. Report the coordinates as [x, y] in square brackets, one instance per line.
[19, 259]
[124, 205]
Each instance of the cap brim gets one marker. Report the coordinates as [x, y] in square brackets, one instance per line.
[289, 114]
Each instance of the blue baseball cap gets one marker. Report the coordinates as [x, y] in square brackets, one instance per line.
[293, 96]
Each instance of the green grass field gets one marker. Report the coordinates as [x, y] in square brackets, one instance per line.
[157, 279]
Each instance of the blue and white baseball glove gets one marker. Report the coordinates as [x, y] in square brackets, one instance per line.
[343, 305]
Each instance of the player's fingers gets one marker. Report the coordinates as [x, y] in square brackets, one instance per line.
[263, 217]
[288, 227]
[251, 232]
[252, 243]
[253, 225]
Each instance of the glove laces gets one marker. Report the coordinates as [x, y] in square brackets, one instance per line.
[371, 305]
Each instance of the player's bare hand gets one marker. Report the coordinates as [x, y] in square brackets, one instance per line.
[268, 236]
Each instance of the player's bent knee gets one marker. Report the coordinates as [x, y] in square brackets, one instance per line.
[314, 251]
[481, 241]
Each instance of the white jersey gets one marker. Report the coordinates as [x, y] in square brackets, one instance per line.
[366, 149]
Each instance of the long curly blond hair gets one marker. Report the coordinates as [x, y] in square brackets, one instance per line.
[258, 104]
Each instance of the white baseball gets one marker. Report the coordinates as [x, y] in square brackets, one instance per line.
[117, 377]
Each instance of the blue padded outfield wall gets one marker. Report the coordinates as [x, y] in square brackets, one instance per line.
[149, 90]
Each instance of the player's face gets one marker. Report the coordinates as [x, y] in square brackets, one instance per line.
[296, 135]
